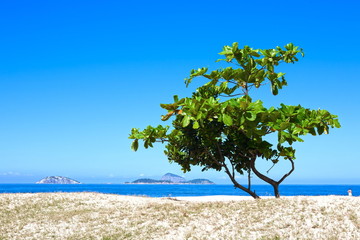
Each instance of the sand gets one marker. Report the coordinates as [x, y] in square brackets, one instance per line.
[216, 198]
[106, 216]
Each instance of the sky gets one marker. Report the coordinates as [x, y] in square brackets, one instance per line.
[76, 76]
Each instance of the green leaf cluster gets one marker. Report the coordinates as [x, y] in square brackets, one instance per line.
[255, 67]
[149, 136]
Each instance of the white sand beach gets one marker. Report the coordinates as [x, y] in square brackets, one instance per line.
[105, 216]
[217, 198]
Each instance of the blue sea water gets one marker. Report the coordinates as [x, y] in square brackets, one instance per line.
[173, 190]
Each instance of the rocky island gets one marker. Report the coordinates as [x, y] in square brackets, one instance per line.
[57, 180]
[171, 178]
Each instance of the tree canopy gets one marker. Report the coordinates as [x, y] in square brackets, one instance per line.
[220, 126]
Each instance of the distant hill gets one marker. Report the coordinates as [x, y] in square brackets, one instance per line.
[171, 178]
[200, 181]
[148, 180]
[57, 180]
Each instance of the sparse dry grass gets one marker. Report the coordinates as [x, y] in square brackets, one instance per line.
[75, 216]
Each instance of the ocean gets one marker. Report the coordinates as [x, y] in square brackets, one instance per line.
[178, 190]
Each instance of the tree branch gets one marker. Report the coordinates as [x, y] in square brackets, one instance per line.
[233, 95]
[270, 168]
[260, 175]
[220, 153]
[286, 175]
[236, 184]
[231, 175]
[233, 168]
[214, 158]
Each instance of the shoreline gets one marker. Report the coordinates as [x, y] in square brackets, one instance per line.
[202, 198]
[214, 198]
[165, 183]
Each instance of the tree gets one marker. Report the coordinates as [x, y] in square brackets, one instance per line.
[220, 127]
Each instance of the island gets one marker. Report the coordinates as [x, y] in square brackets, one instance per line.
[57, 180]
[171, 178]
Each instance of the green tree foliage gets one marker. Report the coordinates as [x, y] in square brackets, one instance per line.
[220, 127]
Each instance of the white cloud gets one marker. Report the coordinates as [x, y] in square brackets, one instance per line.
[13, 174]
[10, 173]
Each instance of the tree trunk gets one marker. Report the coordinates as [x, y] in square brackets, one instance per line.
[253, 194]
[237, 185]
[276, 190]
[231, 175]
[272, 182]
[265, 178]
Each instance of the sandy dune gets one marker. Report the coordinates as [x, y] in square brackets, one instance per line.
[105, 216]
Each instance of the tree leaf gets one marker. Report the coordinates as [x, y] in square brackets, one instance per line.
[196, 125]
[176, 98]
[186, 121]
[274, 89]
[227, 120]
[135, 145]
[252, 116]
[284, 125]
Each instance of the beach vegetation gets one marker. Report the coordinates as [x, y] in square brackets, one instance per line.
[70, 216]
[222, 127]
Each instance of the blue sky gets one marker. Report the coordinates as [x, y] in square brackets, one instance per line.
[76, 76]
